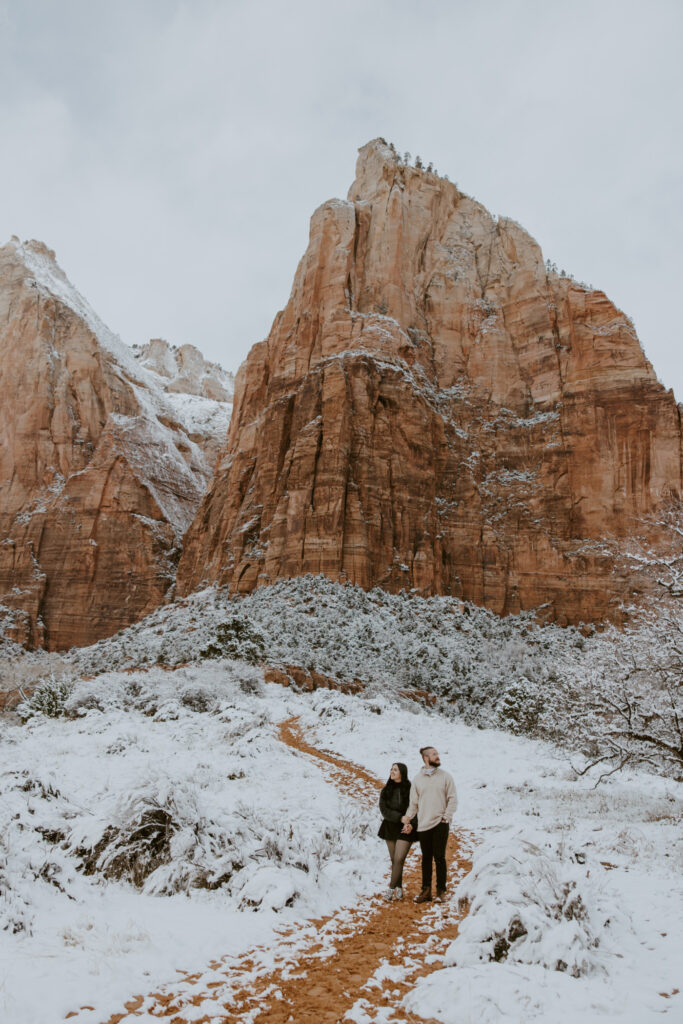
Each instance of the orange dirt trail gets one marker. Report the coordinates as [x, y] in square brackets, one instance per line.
[370, 954]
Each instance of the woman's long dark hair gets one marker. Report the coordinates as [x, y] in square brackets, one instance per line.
[404, 784]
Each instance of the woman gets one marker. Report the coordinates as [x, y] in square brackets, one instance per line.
[393, 803]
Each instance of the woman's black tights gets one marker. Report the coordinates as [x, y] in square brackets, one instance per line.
[398, 851]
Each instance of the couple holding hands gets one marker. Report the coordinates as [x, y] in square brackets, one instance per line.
[419, 810]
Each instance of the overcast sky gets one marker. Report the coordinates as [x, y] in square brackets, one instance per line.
[173, 152]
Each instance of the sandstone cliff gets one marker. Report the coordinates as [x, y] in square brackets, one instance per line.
[101, 470]
[435, 409]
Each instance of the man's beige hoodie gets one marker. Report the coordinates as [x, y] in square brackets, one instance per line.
[433, 798]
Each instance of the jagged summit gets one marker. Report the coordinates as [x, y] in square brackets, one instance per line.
[379, 166]
[41, 266]
[376, 165]
[184, 369]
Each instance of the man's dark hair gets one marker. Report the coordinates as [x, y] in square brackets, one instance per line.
[422, 749]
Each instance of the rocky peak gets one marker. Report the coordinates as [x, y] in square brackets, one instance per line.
[436, 409]
[101, 470]
[37, 264]
[185, 370]
[377, 168]
[380, 167]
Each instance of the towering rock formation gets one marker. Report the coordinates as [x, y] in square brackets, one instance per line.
[434, 409]
[101, 467]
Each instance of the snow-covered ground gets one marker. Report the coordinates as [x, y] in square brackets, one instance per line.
[162, 786]
[543, 831]
[160, 823]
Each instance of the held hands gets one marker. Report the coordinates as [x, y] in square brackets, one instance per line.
[407, 827]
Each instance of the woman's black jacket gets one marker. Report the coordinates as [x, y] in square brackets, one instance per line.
[394, 800]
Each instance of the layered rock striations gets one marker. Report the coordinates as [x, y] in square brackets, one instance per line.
[101, 470]
[436, 409]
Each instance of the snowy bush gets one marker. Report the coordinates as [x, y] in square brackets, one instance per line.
[15, 904]
[140, 837]
[635, 712]
[158, 839]
[532, 906]
[236, 638]
[161, 839]
[33, 817]
[198, 698]
[49, 699]
[520, 708]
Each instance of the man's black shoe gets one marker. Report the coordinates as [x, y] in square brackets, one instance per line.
[441, 895]
[424, 897]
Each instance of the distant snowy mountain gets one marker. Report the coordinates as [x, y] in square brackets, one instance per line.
[199, 393]
[184, 370]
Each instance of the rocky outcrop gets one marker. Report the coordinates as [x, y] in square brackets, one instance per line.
[101, 471]
[199, 392]
[301, 679]
[436, 409]
[184, 370]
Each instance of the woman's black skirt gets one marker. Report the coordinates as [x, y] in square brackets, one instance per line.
[391, 830]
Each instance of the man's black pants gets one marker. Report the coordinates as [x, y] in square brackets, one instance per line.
[433, 845]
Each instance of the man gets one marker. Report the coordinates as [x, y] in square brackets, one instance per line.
[434, 800]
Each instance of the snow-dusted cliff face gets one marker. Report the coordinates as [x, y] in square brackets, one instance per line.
[184, 370]
[102, 464]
